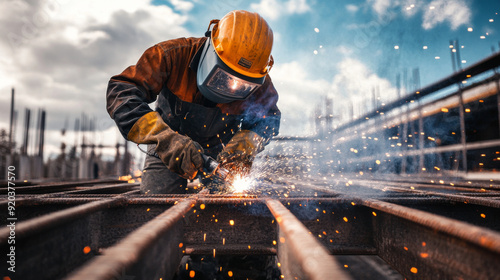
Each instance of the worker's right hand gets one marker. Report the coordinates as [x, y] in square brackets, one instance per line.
[237, 156]
[178, 152]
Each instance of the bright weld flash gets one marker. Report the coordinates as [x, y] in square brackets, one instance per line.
[241, 184]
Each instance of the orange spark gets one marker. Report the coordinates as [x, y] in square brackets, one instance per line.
[86, 249]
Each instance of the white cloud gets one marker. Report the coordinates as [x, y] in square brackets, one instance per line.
[344, 50]
[274, 9]
[297, 6]
[355, 82]
[184, 6]
[298, 95]
[60, 54]
[456, 12]
[381, 6]
[410, 7]
[267, 8]
[351, 8]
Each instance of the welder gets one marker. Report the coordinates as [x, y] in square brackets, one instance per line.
[213, 97]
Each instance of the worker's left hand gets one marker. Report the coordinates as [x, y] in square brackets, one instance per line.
[237, 156]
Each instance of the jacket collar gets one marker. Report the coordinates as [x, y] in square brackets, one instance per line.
[196, 59]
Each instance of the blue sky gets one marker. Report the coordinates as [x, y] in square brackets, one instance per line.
[59, 54]
[370, 35]
[387, 36]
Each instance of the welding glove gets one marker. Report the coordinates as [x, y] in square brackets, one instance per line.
[237, 156]
[178, 152]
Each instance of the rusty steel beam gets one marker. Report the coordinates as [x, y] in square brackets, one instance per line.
[425, 179]
[300, 254]
[151, 252]
[29, 187]
[99, 189]
[36, 225]
[50, 240]
[421, 245]
[170, 200]
[382, 186]
[29, 200]
[51, 245]
[453, 197]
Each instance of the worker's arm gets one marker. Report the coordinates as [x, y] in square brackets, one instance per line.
[130, 92]
[262, 115]
[128, 96]
[261, 121]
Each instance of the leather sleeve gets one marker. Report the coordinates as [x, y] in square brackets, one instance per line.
[129, 93]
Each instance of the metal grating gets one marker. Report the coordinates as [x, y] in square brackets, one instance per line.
[318, 229]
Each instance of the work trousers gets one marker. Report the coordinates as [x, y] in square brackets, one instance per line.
[158, 179]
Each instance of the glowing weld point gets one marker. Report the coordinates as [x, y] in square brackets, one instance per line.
[241, 184]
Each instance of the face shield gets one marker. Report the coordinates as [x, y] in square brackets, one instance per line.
[219, 83]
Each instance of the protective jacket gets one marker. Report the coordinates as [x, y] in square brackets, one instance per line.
[166, 73]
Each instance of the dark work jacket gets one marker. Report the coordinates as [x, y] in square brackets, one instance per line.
[166, 73]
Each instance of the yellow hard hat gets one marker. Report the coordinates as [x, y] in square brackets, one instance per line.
[243, 41]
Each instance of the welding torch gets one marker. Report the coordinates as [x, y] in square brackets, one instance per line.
[211, 168]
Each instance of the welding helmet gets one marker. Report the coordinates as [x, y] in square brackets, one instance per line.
[236, 58]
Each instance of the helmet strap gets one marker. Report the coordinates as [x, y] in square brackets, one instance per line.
[213, 21]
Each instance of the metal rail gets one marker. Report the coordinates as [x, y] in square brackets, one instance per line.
[440, 248]
[482, 66]
[151, 252]
[302, 255]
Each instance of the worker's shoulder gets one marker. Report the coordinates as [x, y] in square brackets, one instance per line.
[181, 43]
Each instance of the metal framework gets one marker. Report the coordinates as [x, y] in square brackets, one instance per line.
[108, 230]
[451, 125]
